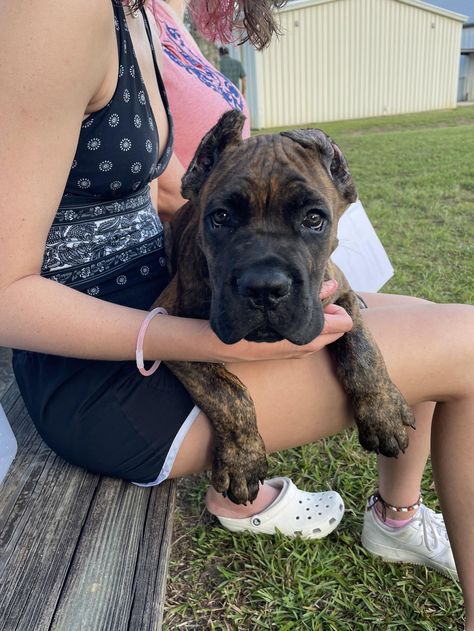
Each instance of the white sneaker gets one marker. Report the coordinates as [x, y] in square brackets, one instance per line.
[423, 541]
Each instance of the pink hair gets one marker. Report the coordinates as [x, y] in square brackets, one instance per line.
[215, 19]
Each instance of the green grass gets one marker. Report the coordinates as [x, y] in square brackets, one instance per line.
[415, 176]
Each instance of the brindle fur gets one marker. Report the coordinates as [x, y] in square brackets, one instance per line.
[267, 182]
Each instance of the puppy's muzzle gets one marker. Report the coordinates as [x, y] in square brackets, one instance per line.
[263, 287]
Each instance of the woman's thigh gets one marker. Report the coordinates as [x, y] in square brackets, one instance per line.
[299, 401]
[374, 301]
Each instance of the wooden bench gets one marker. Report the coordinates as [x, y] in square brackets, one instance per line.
[78, 550]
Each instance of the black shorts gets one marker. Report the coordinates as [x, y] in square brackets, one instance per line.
[105, 416]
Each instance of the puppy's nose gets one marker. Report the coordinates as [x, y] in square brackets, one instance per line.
[264, 288]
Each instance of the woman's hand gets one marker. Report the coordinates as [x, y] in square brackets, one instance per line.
[337, 322]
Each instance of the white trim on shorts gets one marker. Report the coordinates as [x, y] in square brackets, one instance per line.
[173, 452]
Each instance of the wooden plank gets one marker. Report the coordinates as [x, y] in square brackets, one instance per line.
[10, 397]
[152, 568]
[102, 587]
[38, 543]
[78, 551]
[43, 504]
[29, 462]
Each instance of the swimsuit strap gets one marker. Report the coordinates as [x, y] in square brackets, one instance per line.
[167, 154]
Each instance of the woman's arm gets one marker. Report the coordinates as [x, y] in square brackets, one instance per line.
[57, 60]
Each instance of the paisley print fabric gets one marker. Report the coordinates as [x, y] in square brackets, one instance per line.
[99, 247]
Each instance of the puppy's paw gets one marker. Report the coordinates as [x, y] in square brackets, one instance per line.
[239, 468]
[382, 420]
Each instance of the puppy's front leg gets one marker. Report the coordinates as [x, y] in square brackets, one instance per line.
[239, 458]
[380, 411]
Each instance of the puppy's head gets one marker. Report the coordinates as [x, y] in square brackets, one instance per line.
[268, 210]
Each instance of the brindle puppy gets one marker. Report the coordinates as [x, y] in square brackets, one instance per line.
[250, 252]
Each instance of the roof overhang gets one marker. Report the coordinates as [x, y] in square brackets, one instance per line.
[302, 4]
[430, 7]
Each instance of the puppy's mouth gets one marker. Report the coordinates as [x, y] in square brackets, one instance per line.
[266, 304]
[264, 334]
[293, 329]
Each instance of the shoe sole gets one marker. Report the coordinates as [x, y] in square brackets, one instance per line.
[394, 556]
[297, 533]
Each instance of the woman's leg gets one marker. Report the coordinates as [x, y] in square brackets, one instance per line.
[429, 352]
[452, 443]
[441, 372]
[400, 479]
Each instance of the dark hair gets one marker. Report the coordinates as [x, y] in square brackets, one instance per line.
[134, 4]
[259, 21]
[223, 50]
[217, 20]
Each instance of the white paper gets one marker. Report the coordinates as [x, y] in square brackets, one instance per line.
[360, 254]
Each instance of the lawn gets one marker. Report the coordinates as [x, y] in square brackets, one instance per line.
[415, 176]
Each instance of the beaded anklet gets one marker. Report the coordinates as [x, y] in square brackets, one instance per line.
[376, 497]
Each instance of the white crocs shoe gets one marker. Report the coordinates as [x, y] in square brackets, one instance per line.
[423, 541]
[293, 513]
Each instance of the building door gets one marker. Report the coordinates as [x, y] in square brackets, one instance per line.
[462, 87]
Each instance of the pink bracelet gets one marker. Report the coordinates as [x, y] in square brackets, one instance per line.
[141, 337]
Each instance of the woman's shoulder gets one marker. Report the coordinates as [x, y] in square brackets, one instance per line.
[39, 25]
[85, 12]
[50, 41]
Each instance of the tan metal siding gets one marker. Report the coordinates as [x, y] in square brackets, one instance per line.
[356, 58]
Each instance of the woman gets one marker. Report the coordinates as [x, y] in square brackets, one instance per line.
[81, 85]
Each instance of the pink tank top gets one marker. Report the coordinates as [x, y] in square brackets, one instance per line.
[197, 93]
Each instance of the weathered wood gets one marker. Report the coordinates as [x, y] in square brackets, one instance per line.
[109, 564]
[152, 567]
[77, 550]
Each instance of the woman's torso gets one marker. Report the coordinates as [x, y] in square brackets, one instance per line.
[106, 233]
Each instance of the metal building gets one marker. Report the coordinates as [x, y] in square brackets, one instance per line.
[466, 66]
[342, 59]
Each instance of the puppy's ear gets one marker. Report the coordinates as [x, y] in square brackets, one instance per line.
[227, 131]
[331, 156]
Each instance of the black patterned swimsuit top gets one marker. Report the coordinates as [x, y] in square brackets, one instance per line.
[106, 233]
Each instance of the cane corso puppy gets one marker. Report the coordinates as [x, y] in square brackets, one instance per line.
[250, 252]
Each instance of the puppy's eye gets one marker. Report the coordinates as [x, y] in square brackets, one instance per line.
[314, 221]
[220, 218]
